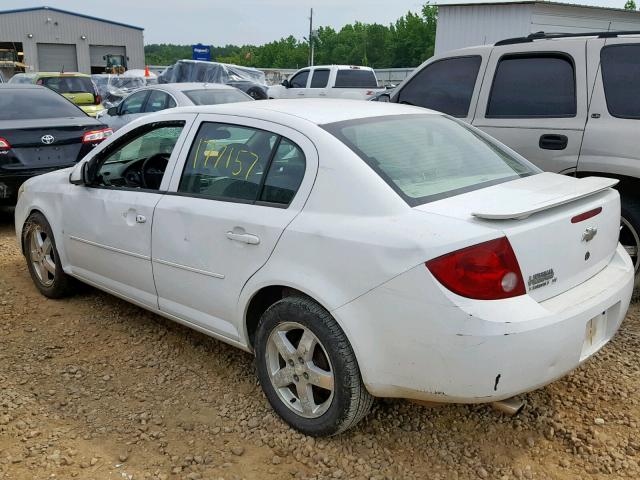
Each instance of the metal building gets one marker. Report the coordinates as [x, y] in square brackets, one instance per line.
[466, 24]
[49, 39]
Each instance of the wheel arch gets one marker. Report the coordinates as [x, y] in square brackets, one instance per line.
[260, 301]
[265, 296]
[30, 212]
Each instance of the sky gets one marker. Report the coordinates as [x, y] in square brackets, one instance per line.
[221, 22]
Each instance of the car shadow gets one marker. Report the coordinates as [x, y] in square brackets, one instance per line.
[6, 217]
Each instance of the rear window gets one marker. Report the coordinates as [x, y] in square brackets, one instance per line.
[621, 78]
[541, 86]
[215, 97]
[32, 103]
[354, 78]
[68, 84]
[428, 157]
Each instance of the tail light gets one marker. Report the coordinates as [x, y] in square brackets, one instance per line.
[95, 136]
[97, 99]
[487, 271]
[4, 144]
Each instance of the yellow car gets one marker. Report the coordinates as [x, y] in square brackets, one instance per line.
[76, 87]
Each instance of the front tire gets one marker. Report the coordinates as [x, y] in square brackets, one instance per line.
[308, 370]
[43, 260]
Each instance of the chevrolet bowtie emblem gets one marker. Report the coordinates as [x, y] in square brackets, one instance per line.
[589, 233]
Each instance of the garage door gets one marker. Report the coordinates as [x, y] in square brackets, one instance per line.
[54, 57]
[97, 52]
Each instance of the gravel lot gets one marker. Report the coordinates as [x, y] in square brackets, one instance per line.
[92, 387]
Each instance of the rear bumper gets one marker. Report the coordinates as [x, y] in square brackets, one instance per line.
[442, 349]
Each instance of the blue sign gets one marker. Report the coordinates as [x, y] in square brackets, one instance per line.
[201, 52]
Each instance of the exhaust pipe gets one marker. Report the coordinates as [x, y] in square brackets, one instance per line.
[509, 406]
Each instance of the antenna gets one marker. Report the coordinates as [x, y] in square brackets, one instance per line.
[311, 38]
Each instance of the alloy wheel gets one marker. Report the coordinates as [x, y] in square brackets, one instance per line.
[42, 256]
[300, 370]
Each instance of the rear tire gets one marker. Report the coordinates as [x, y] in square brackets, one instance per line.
[308, 370]
[630, 231]
[43, 260]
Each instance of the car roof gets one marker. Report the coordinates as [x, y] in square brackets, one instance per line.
[61, 74]
[183, 87]
[319, 111]
[343, 67]
[23, 86]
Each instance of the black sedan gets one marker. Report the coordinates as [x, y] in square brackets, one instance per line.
[40, 131]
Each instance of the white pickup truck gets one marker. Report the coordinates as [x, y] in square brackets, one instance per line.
[330, 81]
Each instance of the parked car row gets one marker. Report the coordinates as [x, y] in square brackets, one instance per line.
[162, 96]
[42, 130]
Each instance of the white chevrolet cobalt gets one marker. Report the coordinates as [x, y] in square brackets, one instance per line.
[359, 249]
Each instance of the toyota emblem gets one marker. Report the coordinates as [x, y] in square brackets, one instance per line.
[47, 139]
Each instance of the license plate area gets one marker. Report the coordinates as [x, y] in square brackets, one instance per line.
[50, 154]
[598, 331]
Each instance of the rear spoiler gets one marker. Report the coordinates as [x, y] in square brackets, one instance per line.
[524, 205]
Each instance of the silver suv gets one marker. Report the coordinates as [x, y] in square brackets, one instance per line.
[568, 103]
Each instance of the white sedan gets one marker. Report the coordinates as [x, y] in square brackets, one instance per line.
[359, 249]
[156, 98]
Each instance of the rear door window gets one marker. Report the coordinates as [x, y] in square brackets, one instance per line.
[621, 79]
[242, 164]
[355, 78]
[533, 86]
[445, 86]
[157, 101]
[320, 78]
[300, 80]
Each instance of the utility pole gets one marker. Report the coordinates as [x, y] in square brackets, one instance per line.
[311, 38]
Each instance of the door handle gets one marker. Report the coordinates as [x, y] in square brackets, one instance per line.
[244, 238]
[553, 142]
[141, 219]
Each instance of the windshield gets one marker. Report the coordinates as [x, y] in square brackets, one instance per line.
[33, 103]
[428, 157]
[214, 97]
[68, 84]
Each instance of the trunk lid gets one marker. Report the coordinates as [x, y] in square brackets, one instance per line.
[535, 213]
[30, 147]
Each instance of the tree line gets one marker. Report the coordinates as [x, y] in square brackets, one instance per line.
[405, 43]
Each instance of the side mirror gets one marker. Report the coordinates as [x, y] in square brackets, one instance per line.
[79, 174]
[113, 111]
[285, 83]
[383, 97]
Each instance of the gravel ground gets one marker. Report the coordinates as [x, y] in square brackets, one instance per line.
[92, 387]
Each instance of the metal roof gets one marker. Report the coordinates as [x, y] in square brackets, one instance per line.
[53, 9]
[463, 3]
